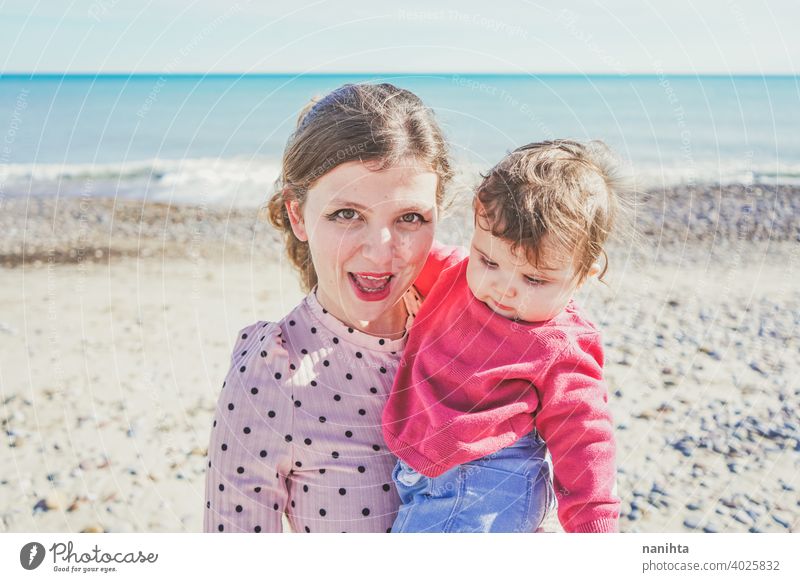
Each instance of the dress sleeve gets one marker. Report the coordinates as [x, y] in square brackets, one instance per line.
[244, 492]
[575, 421]
[440, 258]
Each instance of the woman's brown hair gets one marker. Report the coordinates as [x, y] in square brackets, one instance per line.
[377, 123]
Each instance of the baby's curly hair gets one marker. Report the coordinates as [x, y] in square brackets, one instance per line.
[564, 189]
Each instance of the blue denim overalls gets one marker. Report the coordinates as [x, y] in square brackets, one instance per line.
[510, 490]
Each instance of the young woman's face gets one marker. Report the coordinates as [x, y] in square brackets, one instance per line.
[369, 233]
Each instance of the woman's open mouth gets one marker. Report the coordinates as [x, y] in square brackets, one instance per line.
[371, 286]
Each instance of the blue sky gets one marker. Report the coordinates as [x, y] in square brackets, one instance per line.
[617, 36]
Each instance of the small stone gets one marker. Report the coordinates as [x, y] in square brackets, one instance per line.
[752, 513]
[51, 502]
[656, 488]
[711, 527]
[93, 528]
[709, 352]
[692, 506]
[741, 517]
[782, 519]
[691, 523]
[684, 445]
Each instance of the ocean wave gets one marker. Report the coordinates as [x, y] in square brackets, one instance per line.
[243, 182]
[213, 181]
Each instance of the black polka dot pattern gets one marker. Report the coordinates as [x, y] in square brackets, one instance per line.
[300, 431]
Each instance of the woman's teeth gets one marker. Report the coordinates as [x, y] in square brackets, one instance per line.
[370, 284]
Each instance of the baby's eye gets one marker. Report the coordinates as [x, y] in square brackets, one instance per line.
[488, 263]
[534, 281]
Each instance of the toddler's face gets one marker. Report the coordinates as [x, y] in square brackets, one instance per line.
[513, 287]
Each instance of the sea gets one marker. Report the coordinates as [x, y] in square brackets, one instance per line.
[218, 139]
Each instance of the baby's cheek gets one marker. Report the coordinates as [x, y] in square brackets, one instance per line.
[473, 280]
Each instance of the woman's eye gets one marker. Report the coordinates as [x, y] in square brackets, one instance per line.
[345, 214]
[412, 218]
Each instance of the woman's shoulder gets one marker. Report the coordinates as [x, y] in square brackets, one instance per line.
[265, 338]
[255, 332]
[255, 337]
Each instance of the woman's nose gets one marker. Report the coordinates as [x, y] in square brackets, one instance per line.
[378, 246]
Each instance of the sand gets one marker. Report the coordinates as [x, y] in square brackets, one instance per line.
[117, 320]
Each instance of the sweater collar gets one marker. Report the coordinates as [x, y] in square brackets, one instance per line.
[343, 332]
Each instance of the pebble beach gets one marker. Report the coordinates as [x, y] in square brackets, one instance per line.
[117, 318]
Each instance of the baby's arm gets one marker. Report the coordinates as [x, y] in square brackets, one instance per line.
[575, 421]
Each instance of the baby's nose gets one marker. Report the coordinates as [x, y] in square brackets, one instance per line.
[508, 291]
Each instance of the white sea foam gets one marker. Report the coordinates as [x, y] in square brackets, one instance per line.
[246, 182]
[213, 181]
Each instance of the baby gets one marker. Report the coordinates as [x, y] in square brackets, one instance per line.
[500, 390]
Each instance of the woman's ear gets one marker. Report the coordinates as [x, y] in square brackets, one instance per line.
[296, 219]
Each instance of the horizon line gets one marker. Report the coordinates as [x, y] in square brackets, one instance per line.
[387, 73]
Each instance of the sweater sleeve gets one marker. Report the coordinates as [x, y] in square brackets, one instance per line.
[440, 258]
[575, 421]
[240, 488]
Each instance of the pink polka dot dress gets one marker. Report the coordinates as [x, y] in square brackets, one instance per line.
[297, 429]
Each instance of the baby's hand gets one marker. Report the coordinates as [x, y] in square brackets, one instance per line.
[413, 302]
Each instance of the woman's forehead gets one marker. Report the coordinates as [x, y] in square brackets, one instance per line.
[356, 184]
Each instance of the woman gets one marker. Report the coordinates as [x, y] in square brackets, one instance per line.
[297, 429]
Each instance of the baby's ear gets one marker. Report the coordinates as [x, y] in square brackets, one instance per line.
[594, 270]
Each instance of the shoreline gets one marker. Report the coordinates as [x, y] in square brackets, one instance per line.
[75, 230]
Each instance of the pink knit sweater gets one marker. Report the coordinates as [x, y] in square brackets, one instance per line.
[471, 382]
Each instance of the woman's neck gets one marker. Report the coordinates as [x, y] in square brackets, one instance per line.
[391, 324]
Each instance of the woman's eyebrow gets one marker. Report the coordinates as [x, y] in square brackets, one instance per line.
[418, 208]
[348, 204]
[412, 207]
